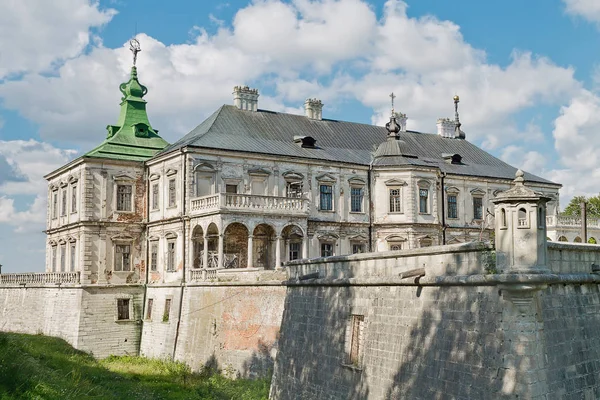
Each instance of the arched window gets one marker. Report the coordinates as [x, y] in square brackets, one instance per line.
[577, 240]
[503, 218]
[563, 239]
[592, 240]
[523, 222]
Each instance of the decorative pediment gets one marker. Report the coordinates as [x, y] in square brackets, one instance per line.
[477, 192]
[423, 183]
[324, 235]
[395, 182]
[204, 167]
[53, 187]
[153, 238]
[327, 178]
[62, 241]
[124, 176]
[291, 176]
[121, 237]
[170, 235]
[154, 177]
[258, 172]
[63, 184]
[72, 179]
[71, 239]
[52, 242]
[171, 172]
[452, 190]
[395, 238]
[355, 180]
[453, 240]
[358, 237]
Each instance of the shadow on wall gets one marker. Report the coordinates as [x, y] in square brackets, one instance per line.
[259, 364]
[418, 342]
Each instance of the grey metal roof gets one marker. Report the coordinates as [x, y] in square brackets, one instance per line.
[268, 132]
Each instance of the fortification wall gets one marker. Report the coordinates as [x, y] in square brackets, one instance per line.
[51, 311]
[453, 333]
[160, 325]
[231, 326]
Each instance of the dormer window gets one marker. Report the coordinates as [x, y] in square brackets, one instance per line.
[305, 141]
[141, 130]
[453, 158]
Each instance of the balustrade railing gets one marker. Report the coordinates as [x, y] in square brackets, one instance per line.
[39, 278]
[553, 220]
[235, 201]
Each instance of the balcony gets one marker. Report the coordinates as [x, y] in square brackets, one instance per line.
[40, 278]
[572, 222]
[249, 203]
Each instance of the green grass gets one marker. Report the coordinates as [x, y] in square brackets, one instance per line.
[40, 367]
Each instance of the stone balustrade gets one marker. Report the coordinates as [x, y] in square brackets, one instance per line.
[249, 202]
[553, 220]
[39, 278]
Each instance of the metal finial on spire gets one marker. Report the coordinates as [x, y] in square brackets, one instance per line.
[135, 48]
[392, 96]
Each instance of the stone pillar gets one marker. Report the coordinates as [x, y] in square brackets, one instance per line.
[305, 247]
[205, 254]
[220, 251]
[278, 253]
[250, 251]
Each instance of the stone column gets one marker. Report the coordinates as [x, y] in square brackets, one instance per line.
[220, 251]
[278, 253]
[304, 246]
[250, 251]
[205, 254]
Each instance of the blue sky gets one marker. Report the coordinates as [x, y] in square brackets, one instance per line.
[527, 73]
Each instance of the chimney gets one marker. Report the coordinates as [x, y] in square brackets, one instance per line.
[313, 109]
[245, 98]
[446, 127]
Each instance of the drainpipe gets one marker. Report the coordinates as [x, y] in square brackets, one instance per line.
[584, 221]
[442, 176]
[183, 221]
[370, 206]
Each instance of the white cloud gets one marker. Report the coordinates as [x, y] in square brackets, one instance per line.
[588, 9]
[36, 33]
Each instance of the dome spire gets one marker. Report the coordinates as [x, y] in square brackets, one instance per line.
[392, 127]
[458, 133]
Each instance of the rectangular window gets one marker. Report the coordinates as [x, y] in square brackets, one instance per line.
[358, 248]
[123, 309]
[124, 197]
[73, 198]
[294, 251]
[63, 257]
[167, 312]
[73, 257]
[326, 197]
[326, 249]
[155, 196]
[477, 208]
[354, 339]
[172, 193]
[63, 204]
[231, 189]
[171, 255]
[293, 189]
[423, 201]
[54, 204]
[122, 257]
[258, 187]
[452, 206]
[53, 262]
[203, 185]
[395, 201]
[149, 309]
[356, 199]
[153, 256]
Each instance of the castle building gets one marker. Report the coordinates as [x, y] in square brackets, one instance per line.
[251, 188]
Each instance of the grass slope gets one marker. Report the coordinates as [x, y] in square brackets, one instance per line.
[41, 367]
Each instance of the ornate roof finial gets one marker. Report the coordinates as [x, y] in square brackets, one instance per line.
[392, 96]
[458, 133]
[135, 48]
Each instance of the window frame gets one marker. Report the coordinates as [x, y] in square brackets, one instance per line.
[326, 198]
[154, 255]
[172, 192]
[362, 245]
[116, 247]
[122, 304]
[357, 199]
[326, 243]
[155, 191]
[73, 256]
[291, 251]
[54, 203]
[395, 202]
[120, 197]
[171, 254]
[167, 310]
[63, 257]
[53, 257]
[74, 198]
[149, 306]
[448, 203]
[478, 198]
[63, 202]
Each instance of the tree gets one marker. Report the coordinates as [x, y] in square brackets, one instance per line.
[574, 207]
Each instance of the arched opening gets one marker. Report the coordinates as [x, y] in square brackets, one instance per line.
[212, 233]
[263, 248]
[292, 239]
[577, 240]
[523, 217]
[563, 239]
[548, 239]
[235, 246]
[426, 242]
[503, 217]
[197, 247]
[592, 240]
